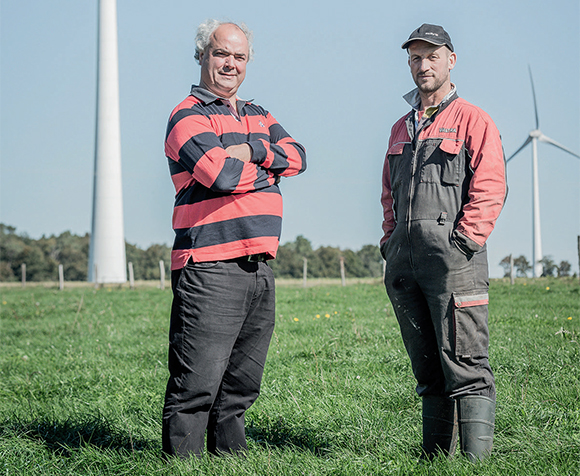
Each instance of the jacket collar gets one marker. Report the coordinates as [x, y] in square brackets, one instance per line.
[415, 123]
[414, 99]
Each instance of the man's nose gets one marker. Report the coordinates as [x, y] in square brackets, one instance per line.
[424, 66]
[229, 62]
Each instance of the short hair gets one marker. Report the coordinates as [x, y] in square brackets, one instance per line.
[207, 28]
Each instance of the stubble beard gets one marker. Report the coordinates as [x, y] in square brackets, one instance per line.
[428, 88]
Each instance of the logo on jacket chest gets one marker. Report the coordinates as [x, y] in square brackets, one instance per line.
[447, 130]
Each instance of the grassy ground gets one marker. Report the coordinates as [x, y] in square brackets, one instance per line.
[83, 373]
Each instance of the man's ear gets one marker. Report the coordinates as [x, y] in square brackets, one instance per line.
[452, 60]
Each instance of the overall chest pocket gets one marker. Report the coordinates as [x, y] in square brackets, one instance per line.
[445, 163]
[399, 165]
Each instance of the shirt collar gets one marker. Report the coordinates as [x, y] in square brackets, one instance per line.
[207, 97]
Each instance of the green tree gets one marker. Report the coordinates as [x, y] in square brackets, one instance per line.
[353, 265]
[371, 259]
[564, 269]
[289, 262]
[549, 267]
[69, 250]
[146, 262]
[11, 248]
[522, 266]
[39, 267]
[506, 265]
[303, 247]
[73, 254]
[325, 263]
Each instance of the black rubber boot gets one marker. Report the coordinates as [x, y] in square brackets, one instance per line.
[476, 424]
[439, 426]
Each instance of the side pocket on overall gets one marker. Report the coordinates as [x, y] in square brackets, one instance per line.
[470, 324]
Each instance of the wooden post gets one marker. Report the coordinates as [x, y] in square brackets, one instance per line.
[512, 277]
[23, 269]
[162, 274]
[342, 275]
[60, 277]
[131, 275]
[304, 272]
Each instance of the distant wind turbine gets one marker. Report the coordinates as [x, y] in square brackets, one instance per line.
[535, 136]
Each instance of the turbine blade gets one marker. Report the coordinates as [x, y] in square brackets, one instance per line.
[546, 139]
[534, 95]
[528, 140]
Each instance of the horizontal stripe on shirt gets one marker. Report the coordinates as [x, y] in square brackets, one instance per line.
[228, 231]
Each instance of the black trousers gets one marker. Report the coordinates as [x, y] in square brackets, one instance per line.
[222, 319]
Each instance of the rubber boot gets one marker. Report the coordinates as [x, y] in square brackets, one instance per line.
[476, 424]
[439, 426]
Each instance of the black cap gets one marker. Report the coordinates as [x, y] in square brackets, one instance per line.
[433, 34]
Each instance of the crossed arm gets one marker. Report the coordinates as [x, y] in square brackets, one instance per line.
[192, 142]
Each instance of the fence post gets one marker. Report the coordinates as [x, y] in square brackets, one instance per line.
[96, 276]
[342, 276]
[60, 277]
[512, 278]
[304, 271]
[131, 275]
[23, 269]
[162, 274]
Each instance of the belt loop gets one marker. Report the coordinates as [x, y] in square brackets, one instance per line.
[442, 218]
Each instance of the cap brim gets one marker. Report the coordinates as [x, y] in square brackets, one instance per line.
[408, 42]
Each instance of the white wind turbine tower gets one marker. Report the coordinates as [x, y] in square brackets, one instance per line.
[535, 136]
[107, 261]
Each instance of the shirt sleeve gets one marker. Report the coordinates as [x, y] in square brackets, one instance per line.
[192, 142]
[281, 155]
[387, 200]
[488, 186]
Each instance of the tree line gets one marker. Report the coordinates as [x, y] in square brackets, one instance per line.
[44, 255]
[523, 267]
[324, 262]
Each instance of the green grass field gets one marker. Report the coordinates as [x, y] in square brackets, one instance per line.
[83, 374]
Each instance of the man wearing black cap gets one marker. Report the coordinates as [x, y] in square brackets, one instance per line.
[444, 185]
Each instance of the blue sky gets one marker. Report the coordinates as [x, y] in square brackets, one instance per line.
[332, 73]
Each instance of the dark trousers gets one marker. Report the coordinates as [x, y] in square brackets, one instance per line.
[440, 297]
[222, 319]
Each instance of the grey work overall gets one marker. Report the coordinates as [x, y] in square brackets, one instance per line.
[438, 291]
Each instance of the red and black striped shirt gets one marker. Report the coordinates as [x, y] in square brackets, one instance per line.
[226, 208]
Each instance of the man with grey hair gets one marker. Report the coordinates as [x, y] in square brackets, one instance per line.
[226, 157]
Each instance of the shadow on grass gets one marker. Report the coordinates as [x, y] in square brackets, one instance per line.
[62, 437]
[279, 433]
